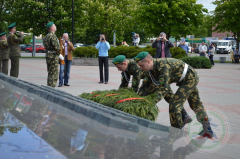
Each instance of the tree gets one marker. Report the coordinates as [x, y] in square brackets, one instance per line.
[36, 14]
[204, 29]
[226, 17]
[109, 16]
[174, 17]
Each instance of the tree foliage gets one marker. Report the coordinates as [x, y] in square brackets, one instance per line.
[204, 29]
[175, 17]
[226, 17]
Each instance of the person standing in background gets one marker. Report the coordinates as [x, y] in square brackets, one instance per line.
[4, 53]
[137, 40]
[14, 52]
[162, 46]
[184, 46]
[66, 63]
[211, 52]
[103, 47]
[202, 49]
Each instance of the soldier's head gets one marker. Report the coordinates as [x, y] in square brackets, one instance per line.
[3, 35]
[120, 62]
[65, 36]
[51, 27]
[144, 60]
[12, 28]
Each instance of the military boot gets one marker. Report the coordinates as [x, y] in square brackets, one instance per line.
[207, 130]
[185, 117]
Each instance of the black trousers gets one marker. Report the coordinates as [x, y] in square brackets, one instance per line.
[103, 61]
[211, 59]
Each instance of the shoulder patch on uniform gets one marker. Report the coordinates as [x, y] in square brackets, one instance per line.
[145, 79]
[161, 81]
[134, 82]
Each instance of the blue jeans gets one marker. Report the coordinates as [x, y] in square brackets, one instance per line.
[65, 69]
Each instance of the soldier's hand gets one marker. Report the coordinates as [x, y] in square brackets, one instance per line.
[21, 32]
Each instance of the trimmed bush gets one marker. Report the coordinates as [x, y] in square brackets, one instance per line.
[198, 62]
[144, 108]
[129, 52]
[177, 52]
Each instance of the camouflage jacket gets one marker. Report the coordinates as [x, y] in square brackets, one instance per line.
[134, 70]
[4, 50]
[51, 43]
[165, 71]
[13, 44]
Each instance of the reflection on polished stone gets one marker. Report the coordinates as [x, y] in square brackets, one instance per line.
[39, 126]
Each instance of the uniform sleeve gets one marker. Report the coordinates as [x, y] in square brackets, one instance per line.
[124, 81]
[136, 78]
[55, 44]
[145, 84]
[4, 44]
[164, 86]
[15, 38]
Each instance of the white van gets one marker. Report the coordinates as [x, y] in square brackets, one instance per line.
[188, 44]
[224, 47]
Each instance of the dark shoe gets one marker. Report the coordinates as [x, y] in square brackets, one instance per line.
[100, 82]
[106, 82]
[185, 117]
[66, 85]
[60, 85]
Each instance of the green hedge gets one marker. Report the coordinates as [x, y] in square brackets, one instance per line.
[198, 62]
[129, 52]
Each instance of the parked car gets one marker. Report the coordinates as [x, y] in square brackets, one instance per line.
[196, 50]
[39, 48]
[22, 47]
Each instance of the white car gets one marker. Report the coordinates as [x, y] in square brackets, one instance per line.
[78, 45]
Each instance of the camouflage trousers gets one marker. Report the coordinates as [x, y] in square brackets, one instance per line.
[4, 66]
[52, 68]
[187, 91]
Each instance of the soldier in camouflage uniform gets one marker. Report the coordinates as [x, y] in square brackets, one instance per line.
[14, 52]
[130, 67]
[163, 72]
[4, 53]
[52, 45]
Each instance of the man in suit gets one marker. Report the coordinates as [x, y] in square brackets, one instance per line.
[162, 46]
[14, 52]
[66, 63]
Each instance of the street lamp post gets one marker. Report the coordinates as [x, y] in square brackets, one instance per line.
[72, 22]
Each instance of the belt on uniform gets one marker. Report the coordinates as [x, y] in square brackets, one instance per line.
[51, 52]
[184, 72]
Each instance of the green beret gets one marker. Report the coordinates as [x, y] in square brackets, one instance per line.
[12, 25]
[118, 59]
[49, 24]
[141, 56]
[1, 34]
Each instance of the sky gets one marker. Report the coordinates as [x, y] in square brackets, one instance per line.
[207, 4]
